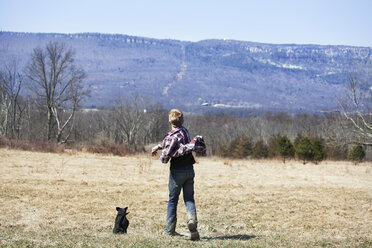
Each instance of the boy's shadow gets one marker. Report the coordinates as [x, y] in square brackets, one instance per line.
[233, 237]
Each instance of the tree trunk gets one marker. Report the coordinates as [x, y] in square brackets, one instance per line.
[50, 119]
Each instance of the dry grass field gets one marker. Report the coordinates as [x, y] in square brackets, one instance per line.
[69, 200]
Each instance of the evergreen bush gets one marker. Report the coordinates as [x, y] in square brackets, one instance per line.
[260, 150]
[318, 147]
[297, 140]
[285, 148]
[273, 145]
[357, 154]
[305, 150]
[223, 151]
[241, 147]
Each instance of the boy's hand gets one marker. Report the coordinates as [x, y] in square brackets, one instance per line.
[154, 150]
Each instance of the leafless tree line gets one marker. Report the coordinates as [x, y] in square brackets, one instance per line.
[134, 122]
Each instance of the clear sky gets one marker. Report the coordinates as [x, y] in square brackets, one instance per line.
[326, 22]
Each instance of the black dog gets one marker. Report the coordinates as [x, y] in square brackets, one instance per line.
[121, 221]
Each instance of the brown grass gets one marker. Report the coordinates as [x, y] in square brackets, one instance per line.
[69, 200]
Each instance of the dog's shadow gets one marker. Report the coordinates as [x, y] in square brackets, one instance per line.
[231, 237]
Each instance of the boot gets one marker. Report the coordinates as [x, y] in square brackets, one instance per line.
[192, 224]
[171, 228]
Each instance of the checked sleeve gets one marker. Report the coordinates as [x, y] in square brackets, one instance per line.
[196, 145]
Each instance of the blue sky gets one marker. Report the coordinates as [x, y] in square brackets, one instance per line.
[326, 22]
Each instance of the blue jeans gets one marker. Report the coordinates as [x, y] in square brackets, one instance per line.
[180, 179]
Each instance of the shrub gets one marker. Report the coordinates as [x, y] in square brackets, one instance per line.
[241, 147]
[104, 148]
[260, 150]
[357, 154]
[305, 150]
[2, 142]
[38, 146]
[223, 151]
[318, 147]
[48, 146]
[273, 145]
[297, 140]
[285, 148]
[337, 152]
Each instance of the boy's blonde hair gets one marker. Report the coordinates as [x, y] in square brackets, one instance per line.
[176, 117]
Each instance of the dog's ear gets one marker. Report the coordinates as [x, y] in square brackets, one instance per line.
[118, 209]
[125, 209]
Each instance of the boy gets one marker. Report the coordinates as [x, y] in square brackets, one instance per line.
[177, 147]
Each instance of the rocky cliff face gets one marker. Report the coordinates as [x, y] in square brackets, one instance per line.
[212, 73]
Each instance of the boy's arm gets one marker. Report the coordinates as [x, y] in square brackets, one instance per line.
[197, 145]
[156, 148]
[169, 146]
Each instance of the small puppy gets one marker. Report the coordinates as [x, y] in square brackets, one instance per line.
[121, 221]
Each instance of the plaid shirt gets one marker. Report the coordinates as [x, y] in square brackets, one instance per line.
[172, 142]
[178, 143]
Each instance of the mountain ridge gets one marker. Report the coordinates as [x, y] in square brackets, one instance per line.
[209, 73]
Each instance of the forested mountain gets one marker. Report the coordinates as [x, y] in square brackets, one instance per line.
[206, 74]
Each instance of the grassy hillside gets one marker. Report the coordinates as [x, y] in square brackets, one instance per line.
[69, 200]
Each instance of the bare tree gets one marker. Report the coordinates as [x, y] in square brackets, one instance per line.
[155, 124]
[11, 108]
[58, 82]
[356, 108]
[130, 116]
[4, 107]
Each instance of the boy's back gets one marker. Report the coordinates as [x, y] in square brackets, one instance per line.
[171, 144]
